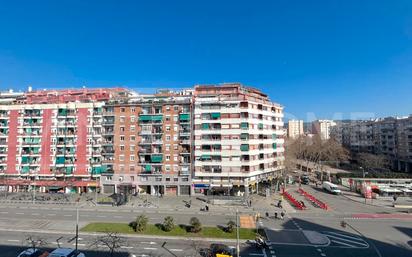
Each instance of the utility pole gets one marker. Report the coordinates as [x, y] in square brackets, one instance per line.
[77, 226]
[237, 233]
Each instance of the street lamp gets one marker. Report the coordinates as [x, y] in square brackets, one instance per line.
[237, 233]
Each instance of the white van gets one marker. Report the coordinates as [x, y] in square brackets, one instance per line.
[331, 188]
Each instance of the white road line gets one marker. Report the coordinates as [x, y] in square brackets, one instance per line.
[19, 213]
[322, 254]
[13, 240]
[151, 243]
[352, 237]
[126, 247]
[3, 212]
[264, 253]
[176, 250]
[67, 215]
[319, 250]
[79, 244]
[342, 243]
[150, 248]
[347, 240]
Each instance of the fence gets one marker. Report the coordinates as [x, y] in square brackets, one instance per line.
[313, 199]
[291, 199]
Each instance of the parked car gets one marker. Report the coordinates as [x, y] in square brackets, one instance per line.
[66, 252]
[304, 179]
[331, 188]
[222, 249]
[32, 252]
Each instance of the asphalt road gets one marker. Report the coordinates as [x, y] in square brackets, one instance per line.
[380, 236]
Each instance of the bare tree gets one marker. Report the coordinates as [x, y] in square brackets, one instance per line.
[372, 162]
[110, 240]
[36, 242]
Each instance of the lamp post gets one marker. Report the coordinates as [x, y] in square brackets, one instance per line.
[363, 183]
[237, 233]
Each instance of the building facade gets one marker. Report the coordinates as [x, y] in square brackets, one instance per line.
[238, 139]
[391, 137]
[295, 128]
[210, 139]
[323, 128]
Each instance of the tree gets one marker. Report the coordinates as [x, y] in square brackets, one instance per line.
[230, 226]
[195, 224]
[141, 223]
[110, 240]
[168, 224]
[372, 162]
[36, 242]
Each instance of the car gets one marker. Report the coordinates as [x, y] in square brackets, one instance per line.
[331, 188]
[66, 252]
[222, 249]
[305, 179]
[33, 252]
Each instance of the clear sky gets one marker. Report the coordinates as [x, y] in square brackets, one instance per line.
[319, 57]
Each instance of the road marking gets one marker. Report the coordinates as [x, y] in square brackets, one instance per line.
[150, 248]
[176, 250]
[349, 241]
[67, 215]
[13, 240]
[20, 213]
[322, 254]
[79, 244]
[126, 247]
[352, 237]
[151, 243]
[51, 214]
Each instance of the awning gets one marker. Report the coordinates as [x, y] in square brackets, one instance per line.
[244, 147]
[156, 158]
[157, 117]
[201, 185]
[184, 117]
[145, 118]
[205, 126]
[215, 115]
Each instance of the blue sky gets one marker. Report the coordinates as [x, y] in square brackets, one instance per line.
[320, 59]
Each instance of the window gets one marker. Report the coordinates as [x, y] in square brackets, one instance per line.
[167, 118]
[132, 148]
[175, 147]
[133, 128]
[175, 179]
[167, 147]
[167, 168]
[167, 157]
[122, 138]
[122, 148]
[167, 107]
[176, 108]
[122, 119]
[131, 157]
[132, 118]
[167, 138]
[109, 178]
[133, 110]
[167, 179]
[167, 128]
[175, 128]
[121, 129]
[175, 138]
[185, 179]
[175, 158]
[132, 138]
[132, 177]
[121, 158]
[122, 109]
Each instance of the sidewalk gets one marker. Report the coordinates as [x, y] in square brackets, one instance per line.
[353, 196]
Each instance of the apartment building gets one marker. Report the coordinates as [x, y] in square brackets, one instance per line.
[323, 128]
[148, 144]
[238, 139]
[295, 128]
[391, 137]
[52, 144]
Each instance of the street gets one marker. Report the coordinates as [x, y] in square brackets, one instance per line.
[371, 231]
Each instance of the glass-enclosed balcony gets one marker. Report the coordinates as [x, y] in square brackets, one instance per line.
[30, 150]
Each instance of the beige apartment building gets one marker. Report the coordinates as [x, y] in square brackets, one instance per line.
[295, 128]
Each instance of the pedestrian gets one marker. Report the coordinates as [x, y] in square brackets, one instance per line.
[276, 215]
[282, 215]
[250, 203]
[395, 197]
[207, 207]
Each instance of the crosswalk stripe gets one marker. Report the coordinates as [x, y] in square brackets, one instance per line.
[351, 237]
[347, 240]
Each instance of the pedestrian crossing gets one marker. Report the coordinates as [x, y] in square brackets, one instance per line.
[345, 240]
